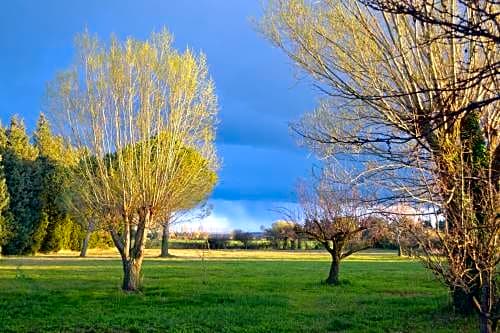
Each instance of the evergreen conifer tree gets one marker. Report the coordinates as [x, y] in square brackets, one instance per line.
[52, 165]
[23, 184]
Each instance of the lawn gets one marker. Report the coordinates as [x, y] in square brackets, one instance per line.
[224, 291]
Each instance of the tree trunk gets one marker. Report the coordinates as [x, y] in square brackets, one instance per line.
[398, 240]
[85, 244]
[132, 274]
[485, 325]
[487, 304]
[132, 256]
[463, 302]
[164, 241]
[333, 276]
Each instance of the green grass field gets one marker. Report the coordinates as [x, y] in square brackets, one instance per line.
[227, 291]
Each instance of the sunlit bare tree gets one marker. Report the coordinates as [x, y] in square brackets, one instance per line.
[334, 215]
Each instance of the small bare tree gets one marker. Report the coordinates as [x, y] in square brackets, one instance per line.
[332, 214]
[143, 114]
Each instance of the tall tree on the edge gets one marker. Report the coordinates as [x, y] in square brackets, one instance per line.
[414, 100]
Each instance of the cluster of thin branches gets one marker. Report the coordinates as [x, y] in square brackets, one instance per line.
[412, 109]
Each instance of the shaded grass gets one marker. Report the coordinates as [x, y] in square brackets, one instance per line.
[233, 291]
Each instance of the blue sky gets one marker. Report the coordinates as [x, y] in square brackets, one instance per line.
[257, 86]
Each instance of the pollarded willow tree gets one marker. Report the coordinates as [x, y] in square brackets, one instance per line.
[143, 115]
[416, 105]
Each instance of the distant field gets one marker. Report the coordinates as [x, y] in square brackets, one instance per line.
[230, 291]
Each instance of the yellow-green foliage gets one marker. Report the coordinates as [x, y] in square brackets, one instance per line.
[133, 93]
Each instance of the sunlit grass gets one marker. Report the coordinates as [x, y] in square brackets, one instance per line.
[196, 254]
[231, 291]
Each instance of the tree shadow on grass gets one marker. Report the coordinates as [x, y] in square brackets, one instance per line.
[340, 284]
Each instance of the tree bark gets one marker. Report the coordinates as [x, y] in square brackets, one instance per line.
[132, 256]
[85, 244]
[132, 274]
[487, 322]
[333, 276]
[463, 302]
[398, 240]
[164, 241]
[485, 325]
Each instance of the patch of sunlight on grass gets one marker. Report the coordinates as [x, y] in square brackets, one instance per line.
[196, 254]
[232, 291]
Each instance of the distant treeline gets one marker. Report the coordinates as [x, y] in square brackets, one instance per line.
[280, 236]
[231, 244]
